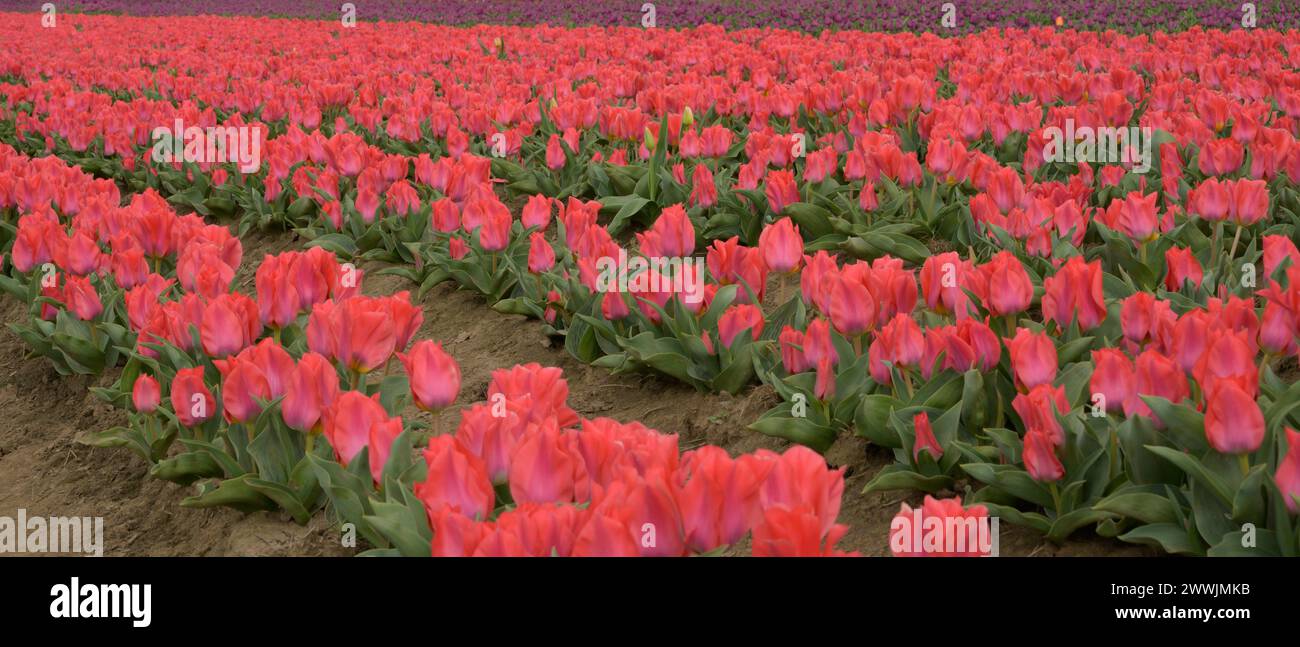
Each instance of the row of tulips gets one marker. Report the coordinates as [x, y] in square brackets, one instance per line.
[937, 151]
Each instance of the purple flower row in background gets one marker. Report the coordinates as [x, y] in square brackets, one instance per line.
[808, 15]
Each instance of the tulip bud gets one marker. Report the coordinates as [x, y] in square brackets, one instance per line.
[925, 440]
[434, 375]
[1234, 423]
[146, 394]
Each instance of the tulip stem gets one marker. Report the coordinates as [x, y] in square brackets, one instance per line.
[1056, 497]
[1214, 244]
[1232, 251]
[1244, 461]
[311, 442]
[354, 379]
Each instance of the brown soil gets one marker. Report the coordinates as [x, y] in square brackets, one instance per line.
[43, 469]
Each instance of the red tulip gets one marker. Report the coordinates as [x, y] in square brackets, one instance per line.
[543, 470]
[494, 234]
[737, 319]
[792, 353]
[537, 212]
[312, 387]
[1182, 267]
[346, 423]
[800, 476]
[782, 246]
[1287, 476]
[1039, 410]
[555, 156]
[1075, 294]
[243, 388]
[491, 432]
[230, 323]
[545, 385]
[456, 480]
[824, 388]
[146, 394]
[1113, 378]
[817, 343]
[380, 442]
[1136, 216]
[1040, 457]
[795, 532]
[434, 375]
[1229, 356]
[1211, 200]
[676, 234]
[81, 298]
[1009, 289]
[941, 283]
[925, 440]
[853, 309]
[704, 192]
[446, 215]
[1278, 248]
[540, 255]
[908, 529]
[1234, 423]
[190, 397]
[719, 494]
[781, 190]
[1249, 202]
[1033, 358]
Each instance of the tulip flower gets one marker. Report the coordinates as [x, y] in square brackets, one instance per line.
[1033, 358]
[1181, 267]
[719, 497]
[737, 319]
[1075, 294]
[792, 353]
[782, 246]
[312, 387]
[907, 531]
[346, 423]
[824, 388]
[536, 212]
[541, 257]
[704, 193]
[1234, 423]
[146, 394]
[925, 440]
[676, 234]
[1009, 289]
[81, 298]
[1249, 202]
[800, 476]
[853, 309]
[1112, 378]
[795, 532]
[244, 388]
[817, 343]
[456, 480]
[1040, 457]
[781, 190]
[434, 375]
[542, 469]
[190, 397]
[1287, 476]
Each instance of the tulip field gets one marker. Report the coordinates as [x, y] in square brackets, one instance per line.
[472, 284]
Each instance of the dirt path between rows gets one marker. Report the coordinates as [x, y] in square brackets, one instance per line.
[44, 471]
